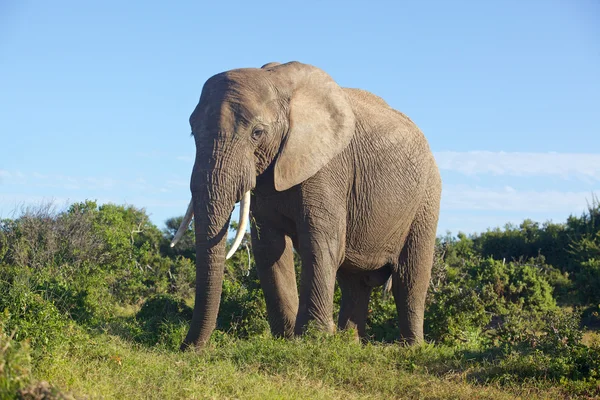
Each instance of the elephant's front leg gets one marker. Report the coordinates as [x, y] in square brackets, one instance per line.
[321, 250]
[273, 252]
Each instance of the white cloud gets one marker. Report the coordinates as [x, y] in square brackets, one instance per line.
[462, 197]
[14, 177]
[584, 166]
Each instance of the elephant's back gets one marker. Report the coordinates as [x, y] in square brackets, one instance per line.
[364, 99]
[392, 164]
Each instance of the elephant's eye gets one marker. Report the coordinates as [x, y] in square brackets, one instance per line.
[257, 132]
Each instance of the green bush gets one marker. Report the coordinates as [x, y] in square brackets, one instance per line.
[86, 301]
[164, 320]
[15, 365]
[590, 316]
[3, 241]
[588, 281]
[27, 312]
[182, 275]
[571, 248]
[382, 324]
[455, 314]
[551, 350]
[88, 257]
[468, 296]
[520, 283]
[243, 310]
[560, 332]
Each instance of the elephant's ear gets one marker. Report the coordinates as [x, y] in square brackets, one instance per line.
[321, 120]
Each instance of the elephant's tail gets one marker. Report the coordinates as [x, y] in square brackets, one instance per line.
[387, 288]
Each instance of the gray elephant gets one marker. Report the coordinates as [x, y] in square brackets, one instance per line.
[335, 173]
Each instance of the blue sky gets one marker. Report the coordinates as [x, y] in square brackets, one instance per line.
[95, 96]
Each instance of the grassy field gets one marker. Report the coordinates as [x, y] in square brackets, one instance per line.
[325, 368]
[109, 365]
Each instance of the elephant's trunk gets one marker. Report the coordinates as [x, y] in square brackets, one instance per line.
[239, 235]
[211, 225]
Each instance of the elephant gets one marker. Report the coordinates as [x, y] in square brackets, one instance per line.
[334, 173]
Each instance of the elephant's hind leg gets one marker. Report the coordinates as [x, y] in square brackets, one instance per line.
[354, 307]
[273, 252]
[356, 288]
[410, 280]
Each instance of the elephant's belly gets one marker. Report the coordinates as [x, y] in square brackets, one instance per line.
[381, 209]
[375, 257]
[369, 250]
[376, 237]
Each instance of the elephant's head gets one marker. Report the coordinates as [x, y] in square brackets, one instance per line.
[290, 117]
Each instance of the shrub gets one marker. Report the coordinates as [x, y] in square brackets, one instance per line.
[88, 257]
[588, 281]
[186, 245]
[573, 248]
[3, 240]
[15, 365]
[382, 324]
[60, 243]
[164, 319]
[515, 282]
[27, 312]
[590, 316]
[456, 314]
[182, 274]
[243, 310]
[86, 301]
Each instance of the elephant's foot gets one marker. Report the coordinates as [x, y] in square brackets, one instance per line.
[308, 326]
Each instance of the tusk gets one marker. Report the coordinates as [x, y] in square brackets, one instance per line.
[244, 217]
[185, 223]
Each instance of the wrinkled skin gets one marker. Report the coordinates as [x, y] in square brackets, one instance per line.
[335, 173]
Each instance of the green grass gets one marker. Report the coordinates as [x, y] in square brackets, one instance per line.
[114, 363]
[317, 368]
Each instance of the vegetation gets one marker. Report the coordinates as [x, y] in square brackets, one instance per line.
[94, 303]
